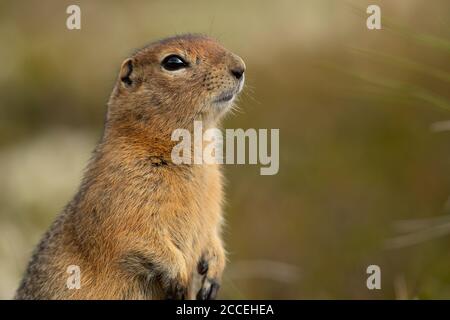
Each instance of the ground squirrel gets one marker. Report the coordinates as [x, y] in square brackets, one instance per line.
[140, 226]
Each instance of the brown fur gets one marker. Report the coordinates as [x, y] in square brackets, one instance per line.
[141, 227]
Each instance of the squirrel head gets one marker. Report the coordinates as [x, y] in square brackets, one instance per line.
[170, 83]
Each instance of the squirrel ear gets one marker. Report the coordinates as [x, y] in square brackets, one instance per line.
[125, 72]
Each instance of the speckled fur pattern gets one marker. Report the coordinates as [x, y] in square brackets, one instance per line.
[141, 227]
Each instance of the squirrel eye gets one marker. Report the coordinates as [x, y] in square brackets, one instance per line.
[174, 62]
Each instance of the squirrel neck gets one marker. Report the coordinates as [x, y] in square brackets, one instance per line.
[137, 140]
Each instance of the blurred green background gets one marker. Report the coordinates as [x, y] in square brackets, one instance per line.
[364, 120]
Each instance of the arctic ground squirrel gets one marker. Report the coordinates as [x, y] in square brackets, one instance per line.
[141, 226]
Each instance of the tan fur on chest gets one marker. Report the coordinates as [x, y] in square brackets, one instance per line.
[181, 204]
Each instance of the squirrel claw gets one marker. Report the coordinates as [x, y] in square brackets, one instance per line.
[209, 290]
[202, 267]
[176, 292]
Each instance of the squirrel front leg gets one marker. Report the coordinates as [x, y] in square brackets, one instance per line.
[211, 266]
[160, 258]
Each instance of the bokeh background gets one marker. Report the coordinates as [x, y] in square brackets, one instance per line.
[364, 119]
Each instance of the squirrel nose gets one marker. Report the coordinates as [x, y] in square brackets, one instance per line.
[237, 72]
[237, 66]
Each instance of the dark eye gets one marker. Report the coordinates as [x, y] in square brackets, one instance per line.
[174, 62]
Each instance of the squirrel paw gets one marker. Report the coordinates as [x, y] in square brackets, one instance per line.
[176, 291]
[209, 289]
